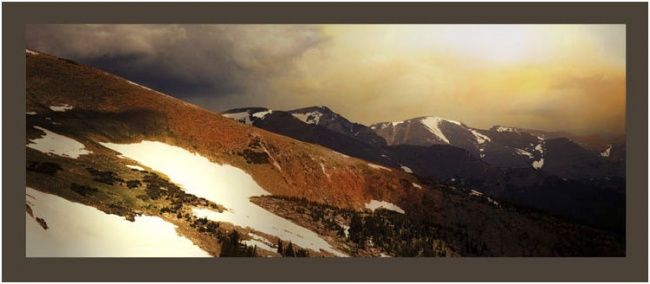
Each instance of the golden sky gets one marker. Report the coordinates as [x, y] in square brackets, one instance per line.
[552, 77]
[556, 77]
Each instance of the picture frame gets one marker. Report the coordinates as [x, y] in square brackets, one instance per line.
[632, 267]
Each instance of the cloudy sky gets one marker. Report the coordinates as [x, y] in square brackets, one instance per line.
[553, 77]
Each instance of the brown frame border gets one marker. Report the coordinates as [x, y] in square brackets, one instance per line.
[633, 267]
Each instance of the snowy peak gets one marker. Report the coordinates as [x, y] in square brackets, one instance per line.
[247, 115]
[325, 117]
[429, 130]
[313, 114]
[434, 123]
[501, 145]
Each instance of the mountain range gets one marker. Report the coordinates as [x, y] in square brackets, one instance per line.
[564, 177]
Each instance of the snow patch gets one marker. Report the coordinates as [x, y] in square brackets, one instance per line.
[524, 153]
[260, 242]
[242, 117]
[376, 204]
[505, 129]
[540, 149]
[480, 138]
[407, 169]
[143, 87]
[31, 52]
[61, 108]
[77, 230]
[475, 193]
[606, 152]
[135, 167]
[309, 117]
[222, 184]
[259, 245]
[342, 155]
[433, 124]
[494, 202]
[375, 166]
[322, 167]
[416, 185]
[262, 114]
[275, 162]
[60, 145]
[346, 230]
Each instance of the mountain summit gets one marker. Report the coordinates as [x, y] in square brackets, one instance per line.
[325, 117]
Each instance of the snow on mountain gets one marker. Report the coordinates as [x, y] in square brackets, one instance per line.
[407, 169]
[52, 143]
[426, 131]
[247, 115]
[76, 230]
[376, 204]
[480, 138]
[523, 152]
[378, 167]
[262, 114]
[505, 129]
[500, 145]
[606, 152]
[134, 167]
[433, 123]
[61, 108]
[312, 117]
[199, 176]
[243, 117]
[325, 117]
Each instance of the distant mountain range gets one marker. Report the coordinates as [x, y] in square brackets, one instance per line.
[502, 161]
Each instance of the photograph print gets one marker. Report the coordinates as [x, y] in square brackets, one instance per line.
[332, 140]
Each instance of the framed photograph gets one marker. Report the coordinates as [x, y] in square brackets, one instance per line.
[325, 141]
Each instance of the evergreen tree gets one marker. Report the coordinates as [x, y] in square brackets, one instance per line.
[290, 252]
[280, 247]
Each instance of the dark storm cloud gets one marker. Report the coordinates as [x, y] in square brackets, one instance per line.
[552, 77]
[187, 61]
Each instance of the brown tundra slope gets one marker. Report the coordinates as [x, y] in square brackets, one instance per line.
[314, 187]
[109, 108]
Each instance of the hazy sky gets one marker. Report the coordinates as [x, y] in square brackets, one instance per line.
[554, 77]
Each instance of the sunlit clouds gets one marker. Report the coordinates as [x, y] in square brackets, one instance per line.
[554, 77]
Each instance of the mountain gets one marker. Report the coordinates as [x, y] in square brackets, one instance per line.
[325, 117]
[502, 146]
[597, 201]
[290, 124]
[511, 164]
[118, 169]
[498, 146]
